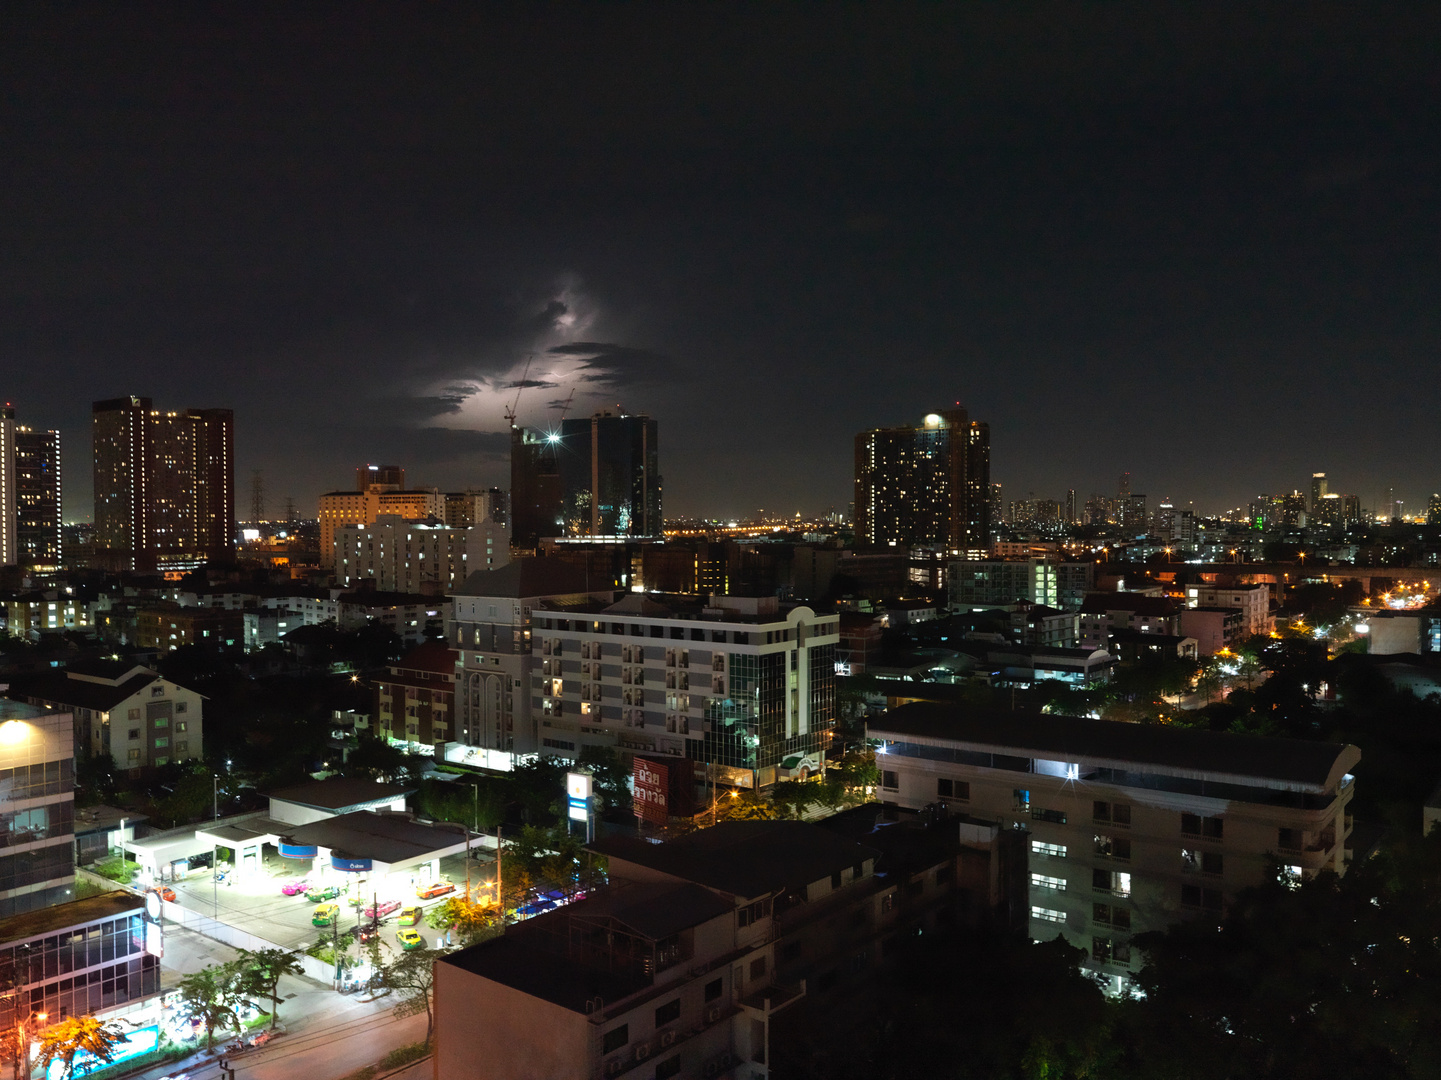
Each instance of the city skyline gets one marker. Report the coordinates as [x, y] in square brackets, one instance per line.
[1177, 244]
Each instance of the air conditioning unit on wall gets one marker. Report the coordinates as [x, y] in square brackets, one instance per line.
[667, 1038]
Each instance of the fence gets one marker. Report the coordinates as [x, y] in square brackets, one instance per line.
[318, 970]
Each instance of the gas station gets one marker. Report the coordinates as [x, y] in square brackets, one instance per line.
[352, 836]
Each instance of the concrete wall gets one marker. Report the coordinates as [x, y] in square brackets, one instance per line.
[315, 969]
[485, 1031]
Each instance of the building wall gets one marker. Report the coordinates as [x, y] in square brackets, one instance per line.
[486, 1031]
[1144, 883]
[395, 555]
[1254, 602]
[37, 784]
[80, 971]
[734, 694]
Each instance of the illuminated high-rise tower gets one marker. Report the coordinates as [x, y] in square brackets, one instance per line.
[164, 485]
[37, 497]
[926, 486]
[9, 544]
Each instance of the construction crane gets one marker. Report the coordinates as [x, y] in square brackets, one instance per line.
[520, 386]
[566, 407]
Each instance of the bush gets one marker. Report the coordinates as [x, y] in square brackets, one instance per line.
[404, 1055]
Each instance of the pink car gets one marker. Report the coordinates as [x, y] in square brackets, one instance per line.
[381, 910]
[294, 888]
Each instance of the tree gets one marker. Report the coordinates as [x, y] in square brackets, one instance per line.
[203, 997]
[748, 806]
[538, 786]
[412, 976]
[472, 920]
[262, 971]
[1327, 977]
[71, 1037]
[611, 776]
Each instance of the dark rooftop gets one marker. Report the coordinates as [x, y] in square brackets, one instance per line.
[1101, 603]
[80, 693]
[340, 793]
[72, 913]
[387, 838]
[744, 858]
[531, 577]
[523, 961]
[1181, 751]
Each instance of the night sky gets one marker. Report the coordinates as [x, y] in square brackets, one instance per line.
[1198, 243]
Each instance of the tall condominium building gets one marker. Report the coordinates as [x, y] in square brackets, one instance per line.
[39, 508]
[1318, 490]
[164, 484]
[610, 476]
[926, 486]
[9, 544]
[1131, 827]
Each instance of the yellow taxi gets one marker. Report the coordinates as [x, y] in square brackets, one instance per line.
[325, 915]
[410, 939]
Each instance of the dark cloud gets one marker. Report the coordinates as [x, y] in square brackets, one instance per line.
[546, 319]
[529, 384]
[621, 365]
[415, 409]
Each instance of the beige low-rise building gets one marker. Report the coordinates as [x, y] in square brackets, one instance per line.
[1132, 827]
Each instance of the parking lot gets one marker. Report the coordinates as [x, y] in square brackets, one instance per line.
[258, 906]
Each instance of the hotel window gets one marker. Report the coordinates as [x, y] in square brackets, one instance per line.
[1057, 851]
[953, 789]
[1041, 881]
[1112, 813]
[890, 781]
[1048, 915]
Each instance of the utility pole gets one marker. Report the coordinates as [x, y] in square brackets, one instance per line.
[257, 496]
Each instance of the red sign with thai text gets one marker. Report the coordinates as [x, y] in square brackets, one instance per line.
[651, 780]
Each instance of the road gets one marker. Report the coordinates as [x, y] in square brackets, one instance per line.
[328, 1035]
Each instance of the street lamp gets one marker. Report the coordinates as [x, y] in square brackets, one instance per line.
[24, 1032]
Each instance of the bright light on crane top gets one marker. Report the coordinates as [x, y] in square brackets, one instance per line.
[933, 420]
[552, 437]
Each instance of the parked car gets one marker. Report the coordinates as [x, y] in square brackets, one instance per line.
[437, 888]
[166, 893]
[295, 888]
[381, 910]
[325, 915]
[318, 893]
[410, 939]
[410, 916]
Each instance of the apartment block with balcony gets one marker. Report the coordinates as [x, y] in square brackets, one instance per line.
[1104, 612]
[127, 711]
[1253, 601]
[392, 554]
[415, 698]
[491, 628]
[1131, 827]
[683, 964]
[737, 685]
